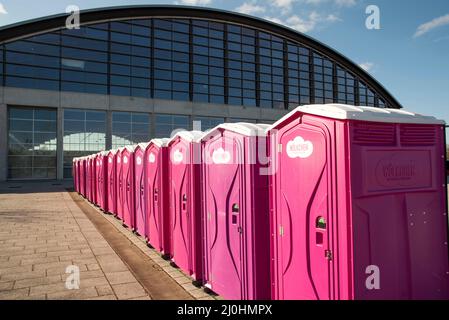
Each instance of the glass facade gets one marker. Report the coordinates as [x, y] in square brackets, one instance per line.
[165, 124]
[31, 143]
[84, 134]
[182, 59]
[129, 128]
[207, 123]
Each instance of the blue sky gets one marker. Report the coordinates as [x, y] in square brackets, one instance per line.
[409, 55]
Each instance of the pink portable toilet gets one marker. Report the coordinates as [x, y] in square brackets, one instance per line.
[358, 202]
[235, 213]
[128, 186]
[88, 178]
[140, 189]
[185, 202]
[82, 169]
[74, 176]
[111, 188]
[119, 183]
[94, 179]
[101, 177]
[158, 214]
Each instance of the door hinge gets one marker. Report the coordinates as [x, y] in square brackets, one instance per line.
[281, 231]
[328, 254]
[280, 147]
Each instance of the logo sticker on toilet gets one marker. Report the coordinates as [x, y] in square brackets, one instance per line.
[110, 160]
[151, 158]
[139, 160]
[220, 156]
[125, 160]
[118, 160]
[299, 148]
[178, 156]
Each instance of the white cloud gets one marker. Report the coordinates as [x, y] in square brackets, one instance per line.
[367, 66]
[285, 4]
[196, 2]
[429, 26]
[2, 9]
[340, 3]
[346, 3]
[250, 8]
[305, 25]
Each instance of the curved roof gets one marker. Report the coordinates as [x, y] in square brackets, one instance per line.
[49, 23]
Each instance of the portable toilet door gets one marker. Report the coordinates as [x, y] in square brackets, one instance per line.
[156, 176]
[74, 174]
[140, 189]
[185, 202]
[101, 186]
[96, 186]
[358, 205]
[235, 198]
[95, 179]
[82, 169]
[89, 178]
[119, 183]
[111, 193]
[128, 186]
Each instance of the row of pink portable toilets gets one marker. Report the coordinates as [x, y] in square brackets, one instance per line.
[350, 203]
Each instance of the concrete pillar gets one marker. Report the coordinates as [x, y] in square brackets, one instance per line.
[60, 145]
[3, 142]
[108, 130]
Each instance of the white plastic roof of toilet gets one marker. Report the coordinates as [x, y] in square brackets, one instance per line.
[370, 114]
[160, 142]
[243, 128]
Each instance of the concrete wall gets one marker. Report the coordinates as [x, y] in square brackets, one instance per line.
[63, 100]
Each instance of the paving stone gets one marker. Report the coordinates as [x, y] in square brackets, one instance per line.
[128, 290]
[120, 277]
[73, 294]
[108, 297]
[14, 294]
[4, 286]
[37, 281]
[104, 290]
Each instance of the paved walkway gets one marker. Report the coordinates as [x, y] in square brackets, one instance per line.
[43, 231]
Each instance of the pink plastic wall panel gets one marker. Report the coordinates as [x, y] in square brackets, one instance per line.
[128, 187]
[399, 210]
[236, 223]
[185, 206]
[140, 190]
[158, 215]
[119, 185]
[111, 194]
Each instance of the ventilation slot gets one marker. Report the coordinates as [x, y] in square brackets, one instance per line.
[374, 134]
[414, 135]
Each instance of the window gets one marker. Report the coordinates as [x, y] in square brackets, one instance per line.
[84, 134]
[323, 72]
[206, 123]
[166, 124]
[32, 143]
[271, 72]
[129, 128]
[298, 75]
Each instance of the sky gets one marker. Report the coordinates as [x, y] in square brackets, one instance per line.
[408, 54]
